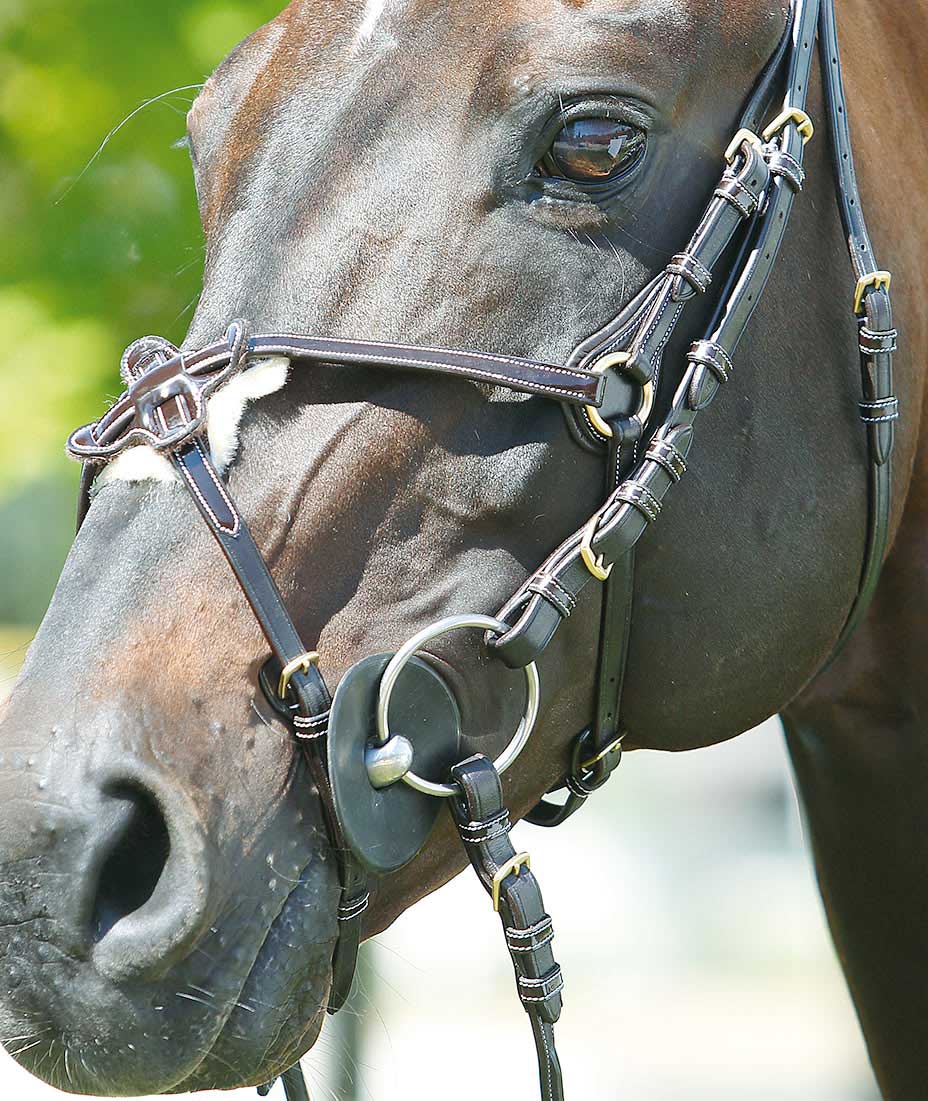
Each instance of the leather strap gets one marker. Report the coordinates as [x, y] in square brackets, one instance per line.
[483, 823]
[627, 512]
[308, 701]
[597, 750]
[294, 1085]
[165, 403]
[879, 407]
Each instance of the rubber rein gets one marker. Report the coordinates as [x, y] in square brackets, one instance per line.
[363, 771]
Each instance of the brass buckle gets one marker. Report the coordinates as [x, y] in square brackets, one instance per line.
[734, 146]
[798, 117]
[600, 367]
[879, 280]
[593, 562]
[302, 664]
[610, 748]
[511, 867]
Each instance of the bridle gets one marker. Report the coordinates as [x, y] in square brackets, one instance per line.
[607, 389]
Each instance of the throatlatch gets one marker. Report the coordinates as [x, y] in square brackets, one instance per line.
[379, 787]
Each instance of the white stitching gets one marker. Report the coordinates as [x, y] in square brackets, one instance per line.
[474, 827]
[347, 911]
[534, 947]
[191, 482]
[349, 348]
[500, 829]
[532, 387]
[539, 927]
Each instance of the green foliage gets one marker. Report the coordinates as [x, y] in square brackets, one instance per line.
[95, 250]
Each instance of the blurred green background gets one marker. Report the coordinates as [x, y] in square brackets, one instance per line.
[95, 250]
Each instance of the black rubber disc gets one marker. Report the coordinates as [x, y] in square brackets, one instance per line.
[386, 828]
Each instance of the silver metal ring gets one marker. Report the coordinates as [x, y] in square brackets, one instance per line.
[416, 643]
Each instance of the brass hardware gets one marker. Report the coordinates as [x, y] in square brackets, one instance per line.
[302, 664]
[610, 748]
[876, 279]
[798, 117]
[593, 562]
[738, 140]
[511, 867]
[619, 359]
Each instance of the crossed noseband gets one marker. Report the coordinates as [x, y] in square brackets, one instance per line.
[385, 753]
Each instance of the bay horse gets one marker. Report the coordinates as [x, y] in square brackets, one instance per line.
[412, 172]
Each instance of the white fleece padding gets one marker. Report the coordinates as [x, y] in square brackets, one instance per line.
[226, 409]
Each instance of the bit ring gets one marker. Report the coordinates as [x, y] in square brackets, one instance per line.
[409, 649]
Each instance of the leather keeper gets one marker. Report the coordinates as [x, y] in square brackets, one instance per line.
[554, 592]
[690, 269]
[713, 356]
[639, 496]
[873, 343]
[782, 164]
[545, 990]
[879, 412]
[733, 191]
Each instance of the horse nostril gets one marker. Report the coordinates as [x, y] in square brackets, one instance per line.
[135, 864]
[146, 906]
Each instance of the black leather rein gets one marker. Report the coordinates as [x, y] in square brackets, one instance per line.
[166, 407]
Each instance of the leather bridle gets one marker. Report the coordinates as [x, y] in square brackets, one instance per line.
[166, 406]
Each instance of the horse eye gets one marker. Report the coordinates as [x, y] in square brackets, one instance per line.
[594, 149]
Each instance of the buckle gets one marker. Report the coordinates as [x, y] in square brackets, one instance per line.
[302, 664]
[511, 867]
[593, 562]
[734, 146]
[878, 280]
[798, 118]
[612, 747]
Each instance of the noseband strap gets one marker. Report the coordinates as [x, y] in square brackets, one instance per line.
[608, 390]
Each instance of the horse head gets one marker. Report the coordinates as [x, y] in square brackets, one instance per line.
[498, 177]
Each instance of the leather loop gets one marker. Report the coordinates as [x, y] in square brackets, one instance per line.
[668, 456]
[874, 343]
[689, 268]
[878, 412]
[548, 586]
[713, 356]
[787, 168]
[640, 497]
[732, 191]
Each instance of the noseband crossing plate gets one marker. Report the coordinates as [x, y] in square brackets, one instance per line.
[377, 777]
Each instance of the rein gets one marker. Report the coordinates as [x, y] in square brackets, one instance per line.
[366, 779]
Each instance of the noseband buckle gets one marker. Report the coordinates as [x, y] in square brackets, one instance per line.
[302, 664]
